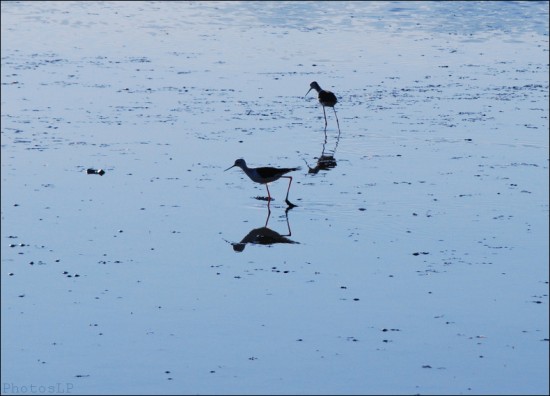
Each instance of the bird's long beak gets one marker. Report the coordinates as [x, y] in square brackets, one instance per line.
[307, 92]
[229, 168]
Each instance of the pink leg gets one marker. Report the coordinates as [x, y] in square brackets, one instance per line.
[290, 204]
[288, 190]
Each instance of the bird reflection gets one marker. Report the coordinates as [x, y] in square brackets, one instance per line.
[326, 161]
[264, 236]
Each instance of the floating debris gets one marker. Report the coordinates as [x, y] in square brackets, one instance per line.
[91, 171]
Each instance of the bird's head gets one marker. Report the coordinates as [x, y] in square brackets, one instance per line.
[240, 163]
[314, 86]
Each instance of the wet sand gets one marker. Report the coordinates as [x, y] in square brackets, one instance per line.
[415, 262]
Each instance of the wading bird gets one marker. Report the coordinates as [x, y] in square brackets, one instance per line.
[326, 98]
[265, 175]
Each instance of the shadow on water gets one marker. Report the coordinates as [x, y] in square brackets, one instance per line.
[290, 205]
[326, 160]
[264, 235]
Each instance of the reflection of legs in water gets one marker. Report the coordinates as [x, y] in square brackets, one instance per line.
[268, 215]
[287, 223]
[325, 161]
[286, 217]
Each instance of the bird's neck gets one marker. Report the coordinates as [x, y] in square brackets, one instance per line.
[248, 171]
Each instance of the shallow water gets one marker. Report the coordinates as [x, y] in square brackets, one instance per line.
[418, 263]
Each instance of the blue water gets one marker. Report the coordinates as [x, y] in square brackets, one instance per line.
[416, 262]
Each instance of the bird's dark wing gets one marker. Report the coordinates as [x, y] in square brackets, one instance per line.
[266, 172]
[327, 98]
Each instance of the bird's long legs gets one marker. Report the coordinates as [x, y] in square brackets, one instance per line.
[290, 204]
[288, 189]
[268, 202]
[336, 120]
[325, 115]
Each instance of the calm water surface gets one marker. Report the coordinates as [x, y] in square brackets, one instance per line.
[416, 260]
